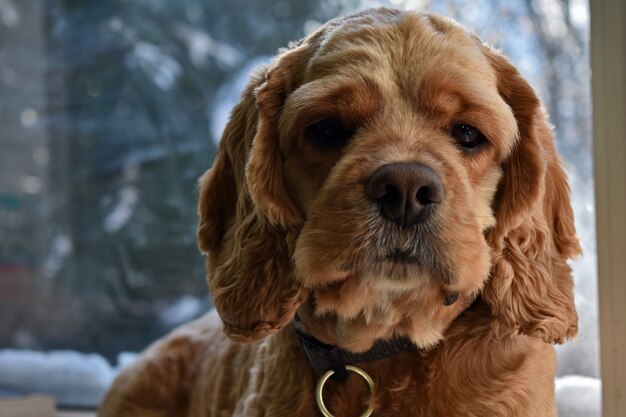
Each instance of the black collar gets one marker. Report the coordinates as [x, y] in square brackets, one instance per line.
[323, 357]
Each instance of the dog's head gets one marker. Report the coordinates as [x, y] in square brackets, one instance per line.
[379, 176]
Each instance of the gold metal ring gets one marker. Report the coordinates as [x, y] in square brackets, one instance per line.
[320, 388]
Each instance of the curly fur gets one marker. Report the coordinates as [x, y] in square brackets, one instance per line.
[287, 228]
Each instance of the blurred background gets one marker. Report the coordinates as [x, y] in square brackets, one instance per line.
[111, 110]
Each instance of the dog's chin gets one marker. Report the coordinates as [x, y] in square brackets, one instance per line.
[398, 269]
[392, 273]
[408, 301]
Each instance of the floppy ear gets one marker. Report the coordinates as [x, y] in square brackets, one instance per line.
[264, 172]
[247, 222]
[531, 289]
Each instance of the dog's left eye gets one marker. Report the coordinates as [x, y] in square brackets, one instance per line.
[328, 134]
[468, 137]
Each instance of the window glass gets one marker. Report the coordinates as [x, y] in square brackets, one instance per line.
[110, 111]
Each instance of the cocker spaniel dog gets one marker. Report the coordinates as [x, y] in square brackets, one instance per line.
[387, 225]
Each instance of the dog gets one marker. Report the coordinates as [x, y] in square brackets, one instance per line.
[387, 227]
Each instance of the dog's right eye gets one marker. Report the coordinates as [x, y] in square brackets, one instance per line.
[328, 134]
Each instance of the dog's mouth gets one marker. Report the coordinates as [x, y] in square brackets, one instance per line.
[402, 264]
[397, 255]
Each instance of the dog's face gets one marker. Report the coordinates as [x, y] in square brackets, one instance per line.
[392, 150]
[375, 177]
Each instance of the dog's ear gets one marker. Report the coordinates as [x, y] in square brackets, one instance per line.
[531, 289]
[247, 222]
[264, 172]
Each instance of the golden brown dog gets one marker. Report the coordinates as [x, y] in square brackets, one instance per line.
[388, 176]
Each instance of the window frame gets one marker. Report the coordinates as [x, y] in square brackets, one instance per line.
[608, 66]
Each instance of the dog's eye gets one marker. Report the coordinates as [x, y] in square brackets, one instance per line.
[328, 134]
[468, 137]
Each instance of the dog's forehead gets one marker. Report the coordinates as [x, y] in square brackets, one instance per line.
[402, 47]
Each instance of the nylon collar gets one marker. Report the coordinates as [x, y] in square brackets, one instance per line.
[323, 357]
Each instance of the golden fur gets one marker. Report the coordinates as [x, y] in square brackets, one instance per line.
[287, 228]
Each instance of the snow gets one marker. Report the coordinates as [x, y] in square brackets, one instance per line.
[228, 95]
[201, 46]
[128, 197]
[181, 311]
[73, 378]
[578, 396]
[9, 14]
[579, 11]
[581, 355]
[60, 248]
[161, 67]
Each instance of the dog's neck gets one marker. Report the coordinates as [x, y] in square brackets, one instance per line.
[409, 318]
[324, 357]
[318, 339]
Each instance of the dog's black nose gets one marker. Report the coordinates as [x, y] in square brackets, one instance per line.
[407, 193]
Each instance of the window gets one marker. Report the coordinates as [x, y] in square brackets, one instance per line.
[110, 111]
